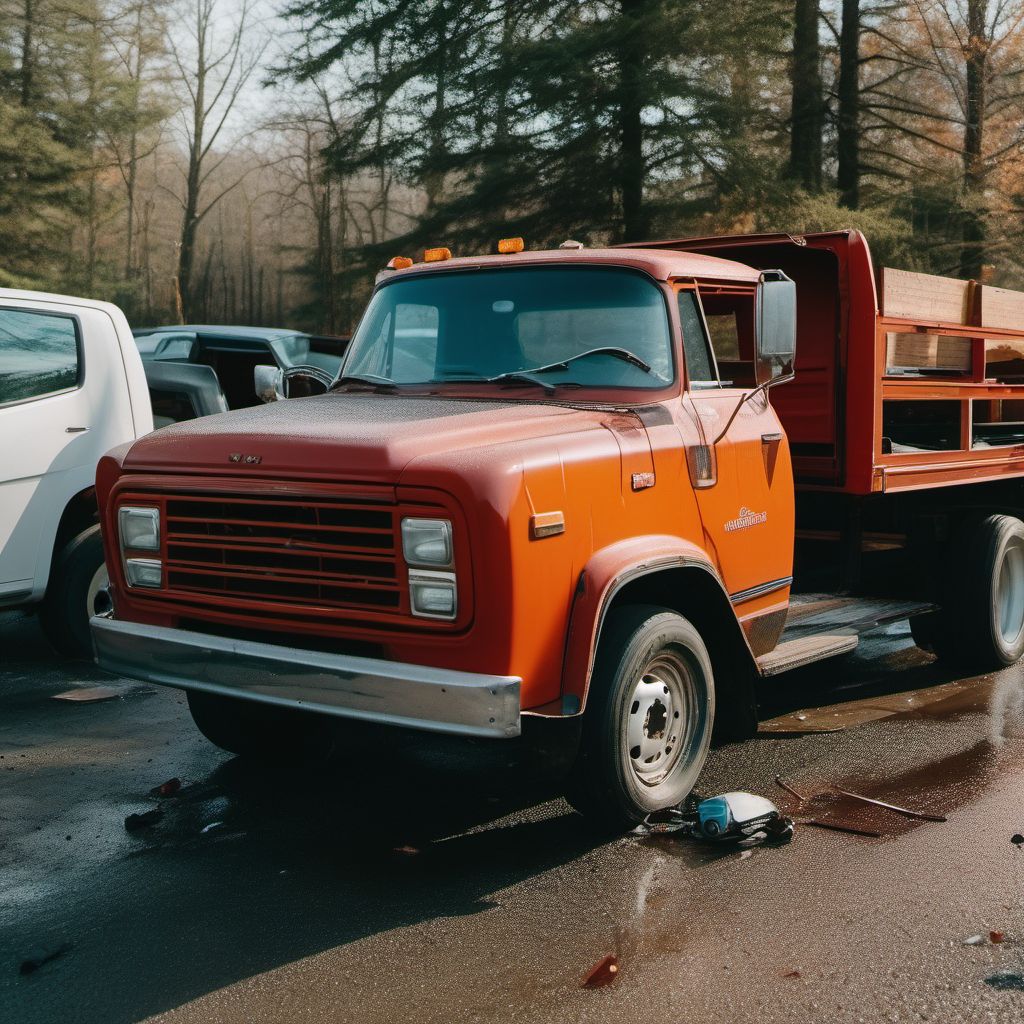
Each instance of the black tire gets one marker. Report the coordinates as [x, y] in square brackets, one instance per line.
[981, 624]
[65, 612]
[609, 783]
[248, 728]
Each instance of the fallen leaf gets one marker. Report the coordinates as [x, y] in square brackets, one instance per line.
[602, 973]
[87, 694]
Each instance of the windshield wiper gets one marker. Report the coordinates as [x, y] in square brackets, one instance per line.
[371, 379]
[619, 353]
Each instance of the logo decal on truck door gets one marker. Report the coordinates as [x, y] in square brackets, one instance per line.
[746, 519]
[249, 460]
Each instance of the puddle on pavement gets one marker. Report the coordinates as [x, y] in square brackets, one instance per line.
[943, 701]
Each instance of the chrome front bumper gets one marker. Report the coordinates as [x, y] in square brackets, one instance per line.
[416, 696]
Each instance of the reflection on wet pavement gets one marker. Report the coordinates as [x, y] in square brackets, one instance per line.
[449, 882]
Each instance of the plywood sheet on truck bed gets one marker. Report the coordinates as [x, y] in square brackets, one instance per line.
[910, 296]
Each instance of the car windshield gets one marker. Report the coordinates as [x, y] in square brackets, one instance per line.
[592, 327]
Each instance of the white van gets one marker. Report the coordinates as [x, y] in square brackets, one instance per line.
[72, 387]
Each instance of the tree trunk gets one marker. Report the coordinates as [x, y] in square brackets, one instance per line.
[632, 170]
[848, 134]
[187, 248]
[27, 73]
[972, 253]
[808, 119]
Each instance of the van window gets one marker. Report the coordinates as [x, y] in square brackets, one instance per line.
[39, 355]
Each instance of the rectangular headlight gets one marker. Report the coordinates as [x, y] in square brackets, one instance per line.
[427, 542]
[432, 595]
[139, 528]
[143, 572]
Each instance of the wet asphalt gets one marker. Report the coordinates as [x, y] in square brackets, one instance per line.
[415, 880]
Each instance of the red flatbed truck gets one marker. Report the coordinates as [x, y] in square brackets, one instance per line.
[590, 486]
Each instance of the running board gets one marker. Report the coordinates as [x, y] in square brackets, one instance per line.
[805, 650]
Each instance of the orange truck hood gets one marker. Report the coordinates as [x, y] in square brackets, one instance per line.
[353, 436]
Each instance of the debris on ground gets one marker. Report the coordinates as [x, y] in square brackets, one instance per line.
[834, 826]
[33, 963]
[211, 827]
[87, 694]
[906, 812]
[602, 973]
[1017, 840]
[407, 851]
[1006, 980]
[793, 974]
[789, 789]
[168, 788]
[744, 818]
[994, 937]
[134, 822]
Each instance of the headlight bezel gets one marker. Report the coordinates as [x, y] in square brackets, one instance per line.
[423, 579]
[129, 518]
[430, 530]
[134, 567]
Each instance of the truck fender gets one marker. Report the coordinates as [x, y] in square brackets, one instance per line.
[635, 570]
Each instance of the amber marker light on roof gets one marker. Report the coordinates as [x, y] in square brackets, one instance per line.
[436, 255]
[507, 246]
[399, 263]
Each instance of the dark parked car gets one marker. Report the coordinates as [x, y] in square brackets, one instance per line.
[195, 370]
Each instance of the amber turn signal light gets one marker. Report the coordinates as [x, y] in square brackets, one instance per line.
[507, 246]
[399, 263]
[546, 524]
[436, 255]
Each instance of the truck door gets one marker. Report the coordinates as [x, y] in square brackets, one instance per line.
[63, 402]
[747, 507]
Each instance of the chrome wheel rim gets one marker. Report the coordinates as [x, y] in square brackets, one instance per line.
[97, 598]
[1010, 593]
[660, 718]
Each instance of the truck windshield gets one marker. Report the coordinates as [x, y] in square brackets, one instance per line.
[592, 327]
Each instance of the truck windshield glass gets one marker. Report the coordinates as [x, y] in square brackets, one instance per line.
[468, 326]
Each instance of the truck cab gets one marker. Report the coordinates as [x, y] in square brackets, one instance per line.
[544, 485]
[71, 387]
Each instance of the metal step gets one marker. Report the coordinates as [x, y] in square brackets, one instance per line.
[811, 614]
[804, 650]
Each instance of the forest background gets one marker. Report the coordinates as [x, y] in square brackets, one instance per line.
[253, 161]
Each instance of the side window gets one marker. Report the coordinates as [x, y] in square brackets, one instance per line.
[729, 313]
[38, 355]
[699, 366]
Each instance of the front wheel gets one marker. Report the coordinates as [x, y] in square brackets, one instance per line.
[77, 590]
[251, 729]
[648, 722]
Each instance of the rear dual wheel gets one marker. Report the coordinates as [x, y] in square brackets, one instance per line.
[647, 727]
[981, 622]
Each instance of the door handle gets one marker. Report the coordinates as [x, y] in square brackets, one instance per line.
[771, 438]
[75, 430]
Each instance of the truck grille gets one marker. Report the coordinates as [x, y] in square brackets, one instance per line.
[315, 552]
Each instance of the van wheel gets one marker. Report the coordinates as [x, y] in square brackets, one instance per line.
[648, 721]
[246, 727]
[982, 619]
[77, 590]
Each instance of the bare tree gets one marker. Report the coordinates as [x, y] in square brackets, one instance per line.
[213, 72]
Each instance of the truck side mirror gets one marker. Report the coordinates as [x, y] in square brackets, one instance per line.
[269, 382]
[776, 328]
